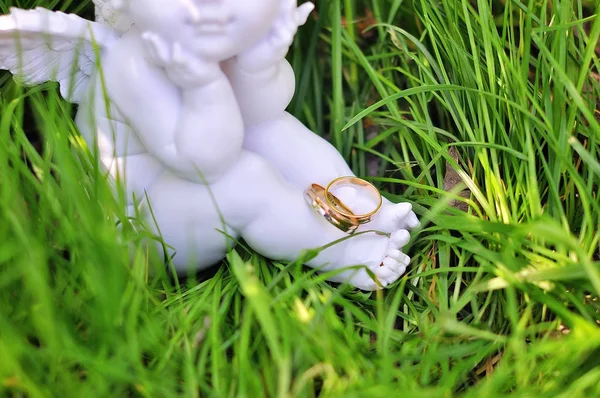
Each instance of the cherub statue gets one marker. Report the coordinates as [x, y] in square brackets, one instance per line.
[184, 102]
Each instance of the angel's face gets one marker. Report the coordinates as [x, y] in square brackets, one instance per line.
[213, 29]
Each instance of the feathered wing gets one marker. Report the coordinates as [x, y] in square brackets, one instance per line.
[41, 45]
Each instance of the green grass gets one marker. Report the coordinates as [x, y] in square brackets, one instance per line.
[500, 299]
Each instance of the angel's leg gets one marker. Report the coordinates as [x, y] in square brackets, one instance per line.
[257, 203]
[120, 153]
[305, 158]
[302, 156]
[189, 221]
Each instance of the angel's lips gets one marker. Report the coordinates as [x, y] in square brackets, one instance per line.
[211, 29]
[213, 26]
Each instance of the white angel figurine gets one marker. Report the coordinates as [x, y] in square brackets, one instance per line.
[184, 102]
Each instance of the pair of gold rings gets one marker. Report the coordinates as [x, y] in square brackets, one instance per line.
[334, 210]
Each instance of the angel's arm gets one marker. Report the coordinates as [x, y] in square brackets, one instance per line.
[195, 130]
[263, 80]
[264, 94]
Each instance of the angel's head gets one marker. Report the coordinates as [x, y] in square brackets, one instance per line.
[213, 29]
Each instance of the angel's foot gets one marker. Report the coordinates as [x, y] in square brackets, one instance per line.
[394, 216]
[389, 218]
[395, 262]
[377, 244]
[386, 264]
[375, 260]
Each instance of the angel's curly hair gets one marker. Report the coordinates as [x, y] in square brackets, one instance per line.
[111, 12]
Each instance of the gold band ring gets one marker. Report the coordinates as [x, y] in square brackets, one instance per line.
[334, 210]
[315, 196]
[354, 182]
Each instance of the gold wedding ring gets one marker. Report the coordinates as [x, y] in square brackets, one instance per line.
[356, 183]
[315, 196]
[334, 210]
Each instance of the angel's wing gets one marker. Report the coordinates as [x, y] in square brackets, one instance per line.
[41, 45]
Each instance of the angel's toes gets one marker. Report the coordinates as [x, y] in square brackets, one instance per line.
[410, 221]
[398, 256]
[395, 262]
[391, 216]
[390, 270]
[384, 259]
[400, 211]
[399, 239]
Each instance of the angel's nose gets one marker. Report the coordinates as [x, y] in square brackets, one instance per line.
[193, 10]
[209, 11]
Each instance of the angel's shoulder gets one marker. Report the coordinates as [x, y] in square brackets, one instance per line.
[126, 68]
[126, 57]
[131, 81]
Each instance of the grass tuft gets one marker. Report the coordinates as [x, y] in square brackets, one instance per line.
[483, 114]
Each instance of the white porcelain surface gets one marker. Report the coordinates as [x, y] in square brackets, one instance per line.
[189, 111]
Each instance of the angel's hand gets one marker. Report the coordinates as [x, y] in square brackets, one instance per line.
[274, 47]
[182, 67]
